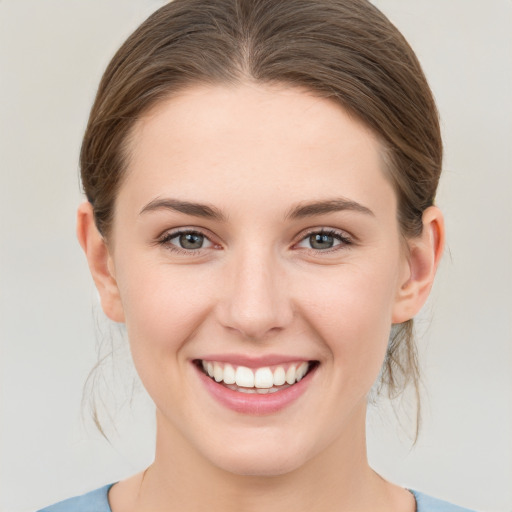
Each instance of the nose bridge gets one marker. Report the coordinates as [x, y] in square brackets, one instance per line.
[256, 301]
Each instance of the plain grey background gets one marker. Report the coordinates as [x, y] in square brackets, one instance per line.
[52, 54]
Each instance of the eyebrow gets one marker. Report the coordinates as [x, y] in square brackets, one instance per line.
[186, 207]
[298, 212]
[328, 206]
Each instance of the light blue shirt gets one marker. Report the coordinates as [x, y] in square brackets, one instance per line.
[97, 501]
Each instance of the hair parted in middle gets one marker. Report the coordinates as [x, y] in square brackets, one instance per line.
[344, 50]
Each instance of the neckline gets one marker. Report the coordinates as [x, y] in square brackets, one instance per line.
[107, 488]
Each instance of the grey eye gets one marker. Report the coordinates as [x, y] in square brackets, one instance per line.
[191, 240]
[321, 241]
[186, 240]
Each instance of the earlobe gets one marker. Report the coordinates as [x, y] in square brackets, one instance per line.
[100, 262]
[425, 253]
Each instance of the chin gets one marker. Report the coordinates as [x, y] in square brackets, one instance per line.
[260, 465]
[259, 459]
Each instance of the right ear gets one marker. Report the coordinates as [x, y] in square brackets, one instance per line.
[100, 262]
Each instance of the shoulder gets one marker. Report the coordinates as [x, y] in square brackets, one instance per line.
[94, 501]
[425, 503]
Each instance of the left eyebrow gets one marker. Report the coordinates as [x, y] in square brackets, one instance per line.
[329, 206]
[186, 207]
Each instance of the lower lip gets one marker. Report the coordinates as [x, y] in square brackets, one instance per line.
[254, 403]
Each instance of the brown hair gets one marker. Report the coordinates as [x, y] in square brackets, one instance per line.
[346, 50]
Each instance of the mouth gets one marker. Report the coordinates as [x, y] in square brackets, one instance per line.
[262, 381]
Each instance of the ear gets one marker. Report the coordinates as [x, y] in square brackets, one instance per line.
[425, 253]
[100, 262]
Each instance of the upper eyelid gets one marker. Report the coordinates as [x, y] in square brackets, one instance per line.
[345, 239]
[174, 232]
[324, 230]
[164, 240]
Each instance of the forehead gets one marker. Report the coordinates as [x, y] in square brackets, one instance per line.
[254, 140]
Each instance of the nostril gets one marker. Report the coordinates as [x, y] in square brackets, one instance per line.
[255, 300]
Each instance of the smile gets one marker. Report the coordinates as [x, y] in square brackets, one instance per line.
[262, 380]
[260, 390]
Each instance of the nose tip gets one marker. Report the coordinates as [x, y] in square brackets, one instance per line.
[256, 303]
[253, 326]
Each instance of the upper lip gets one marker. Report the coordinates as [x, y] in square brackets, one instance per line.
[254, 362]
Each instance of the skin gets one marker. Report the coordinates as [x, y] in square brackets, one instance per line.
[254, 154]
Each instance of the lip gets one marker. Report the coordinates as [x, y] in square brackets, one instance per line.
[255, 404]
[253, 362]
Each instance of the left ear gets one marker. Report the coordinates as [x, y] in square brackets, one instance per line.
[425, 252]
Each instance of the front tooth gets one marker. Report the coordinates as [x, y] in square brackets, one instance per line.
[209, 367]
[263, 378]
[291, 375]
[218, 374]
[301, 371]
[229, 374]
[279, 376]
[244, 377]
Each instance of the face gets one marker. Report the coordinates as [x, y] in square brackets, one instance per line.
[255, 238]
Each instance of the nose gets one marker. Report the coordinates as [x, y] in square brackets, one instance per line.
[256, 300]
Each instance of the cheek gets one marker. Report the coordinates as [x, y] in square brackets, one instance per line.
[163, 308]
[352, 313]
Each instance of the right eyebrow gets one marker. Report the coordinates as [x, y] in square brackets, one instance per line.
[327, 206]
[186, 207]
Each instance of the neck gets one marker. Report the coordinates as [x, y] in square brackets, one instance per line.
[338, 478]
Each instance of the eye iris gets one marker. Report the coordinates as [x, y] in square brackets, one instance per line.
[191, 240]
[321, 241]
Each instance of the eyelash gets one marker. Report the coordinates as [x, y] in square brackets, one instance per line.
[165, 241]
[343, 239]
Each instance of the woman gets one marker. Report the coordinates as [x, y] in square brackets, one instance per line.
[260, 181]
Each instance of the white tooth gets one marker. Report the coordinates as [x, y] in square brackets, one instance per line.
[205, 366]
[290, 375]
[301, 371]
[279, 376]
[263, 378]
[250, 391]
[244, 377]
[209, 367]
[262, 391]
[229, 374]
[218, 374]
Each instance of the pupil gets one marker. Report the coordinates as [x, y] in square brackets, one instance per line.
[321, 241]
[191, 241]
